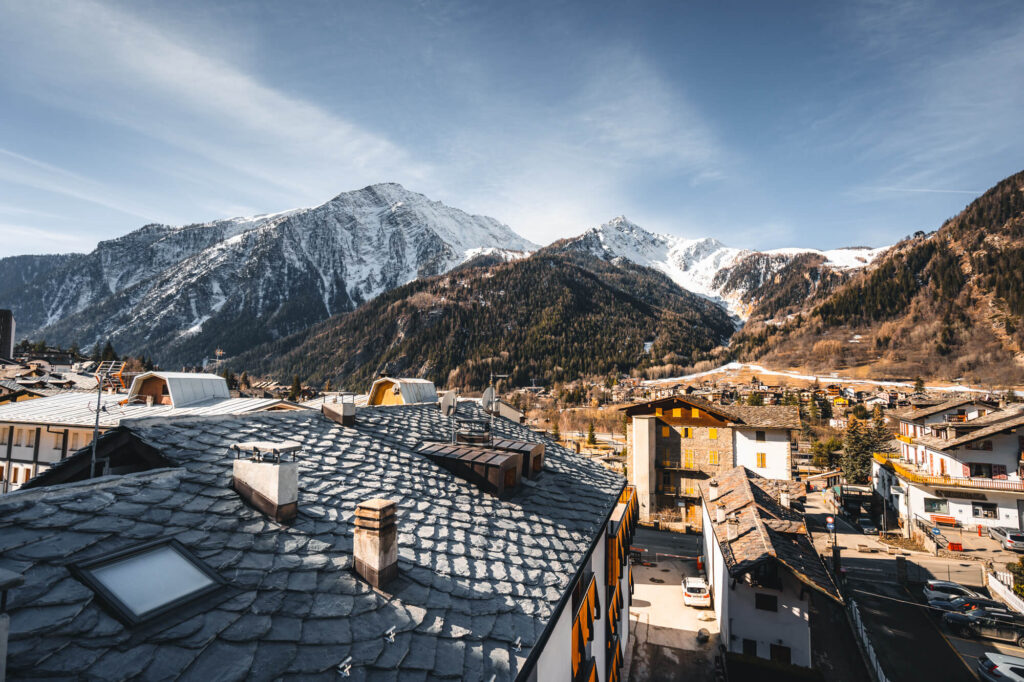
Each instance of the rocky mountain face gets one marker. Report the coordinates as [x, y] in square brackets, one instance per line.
[947, 305]
[549, 317]
[177, 293]
[738, 279]
[18, 271]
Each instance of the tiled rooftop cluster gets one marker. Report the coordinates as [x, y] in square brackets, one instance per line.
[766, 529]
[479, 577]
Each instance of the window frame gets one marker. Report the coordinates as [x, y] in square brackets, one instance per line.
[761, 460]
[760, 436]
[762, 599]
[117, 608]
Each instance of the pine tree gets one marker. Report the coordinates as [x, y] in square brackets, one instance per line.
[814, 412]
[856, 459]
[243, 381]
[96, 354]
[591, 437]
[296, 388]
[108, 353]
[555, 433]
[918, 385]
[755, 399]
[880, 436]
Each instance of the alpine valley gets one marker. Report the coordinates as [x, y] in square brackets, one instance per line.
[383, 278]
[177, 293]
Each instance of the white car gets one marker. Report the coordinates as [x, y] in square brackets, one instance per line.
[999, 667]
[696, 592]
[943, 589]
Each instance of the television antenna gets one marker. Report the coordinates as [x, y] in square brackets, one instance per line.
[104, 372]
[449, 405]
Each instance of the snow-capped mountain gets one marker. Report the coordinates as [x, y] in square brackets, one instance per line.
[705, 266]
[179, 292]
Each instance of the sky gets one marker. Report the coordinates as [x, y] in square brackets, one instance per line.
[763, 125]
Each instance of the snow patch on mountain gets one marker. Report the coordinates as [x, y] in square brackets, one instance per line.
[695, 264]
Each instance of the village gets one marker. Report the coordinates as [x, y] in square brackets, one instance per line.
[763, 530]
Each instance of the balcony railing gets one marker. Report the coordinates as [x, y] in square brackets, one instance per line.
[676, 464]
[909, 474]
[906, 439]
[956, 418]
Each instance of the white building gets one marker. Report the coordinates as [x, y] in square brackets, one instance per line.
[762, 566]
[36, 434]
[959, 463]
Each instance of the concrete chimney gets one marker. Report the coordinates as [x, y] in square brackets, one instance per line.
[266, 481]
[784, 498]
[732, 528]
[713, 489]
[343, 413]
[376, 542]
[720, 514]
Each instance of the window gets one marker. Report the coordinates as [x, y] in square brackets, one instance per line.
[58, 441]
[759, 436]
[984, 510]
[74, 441]
[713, 434]
[934, 506]
[688, 461]
[980, 445]
[980, 469]
[687, 432]
[694, 413]
[761, 460]
[664, 431]
[657, 412]
[146, 581]
[766, 602]
[677, 412]
[713, 457]
[3, 435]
[780, 653]
[750, 647]
[31, 440]
[18, 436]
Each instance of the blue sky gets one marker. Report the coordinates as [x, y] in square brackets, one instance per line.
[761, 124]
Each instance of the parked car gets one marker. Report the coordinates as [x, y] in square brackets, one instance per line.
[696, 592]
[867, 526]
[1009, 538]
[965, 604]
[944, 589]
[993, 667]
[1006, 627]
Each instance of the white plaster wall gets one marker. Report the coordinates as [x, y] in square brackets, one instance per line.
[962, 510]
[775, 447]
[599, 645]
[715, 572]
[789, 626]
[641, 469]
[555, 662]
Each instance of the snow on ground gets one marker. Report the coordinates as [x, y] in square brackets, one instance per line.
[828, 379]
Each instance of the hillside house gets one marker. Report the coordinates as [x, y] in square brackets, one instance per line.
[678, 442]
[377, 554]
[959, 463]
[765, 576]
[36, 434]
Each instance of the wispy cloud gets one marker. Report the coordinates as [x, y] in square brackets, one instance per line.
[22, 170]
[122, 69]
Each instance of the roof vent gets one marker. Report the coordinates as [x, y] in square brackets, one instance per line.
[732, 527]
[376, 541]
[720, 514]
[532, 454]
[343, 412]
[713, 489]
[495, 471]
[265, 480]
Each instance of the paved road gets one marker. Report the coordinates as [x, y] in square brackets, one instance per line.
[665, 542]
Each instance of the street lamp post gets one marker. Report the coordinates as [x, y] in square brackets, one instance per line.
[877, 479]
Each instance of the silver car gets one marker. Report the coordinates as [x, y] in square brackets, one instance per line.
[1009, 538]
[1000, 668]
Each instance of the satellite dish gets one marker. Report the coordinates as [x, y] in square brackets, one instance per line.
[487, 401]
[448, 404]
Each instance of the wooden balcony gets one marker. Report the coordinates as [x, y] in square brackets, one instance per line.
[908, 472]
[905, 439]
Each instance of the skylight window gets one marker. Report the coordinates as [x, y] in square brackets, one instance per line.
[146, 581]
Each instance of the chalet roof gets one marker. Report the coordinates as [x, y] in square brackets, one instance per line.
[78, 408]
[765, 416]
[914, 413]
[476, 573]
[766, 530]
[185, 388]
[413, 390]
[1011, 421]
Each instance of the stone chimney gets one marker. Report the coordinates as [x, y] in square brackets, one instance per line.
[343, 413]
[784, 498]
[376, 542]
[713, 489]
[720, 514]
[265, 480]
[732, 528]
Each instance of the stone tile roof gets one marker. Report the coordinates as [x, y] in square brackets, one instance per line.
[766, 529]
[912, 413]
[766, 416]
[476, 573]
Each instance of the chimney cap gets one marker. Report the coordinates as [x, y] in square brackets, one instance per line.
[258, 448]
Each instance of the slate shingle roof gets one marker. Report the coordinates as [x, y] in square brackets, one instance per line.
[913, 413]
[766, 529]
[765, 416]
[476, 573]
